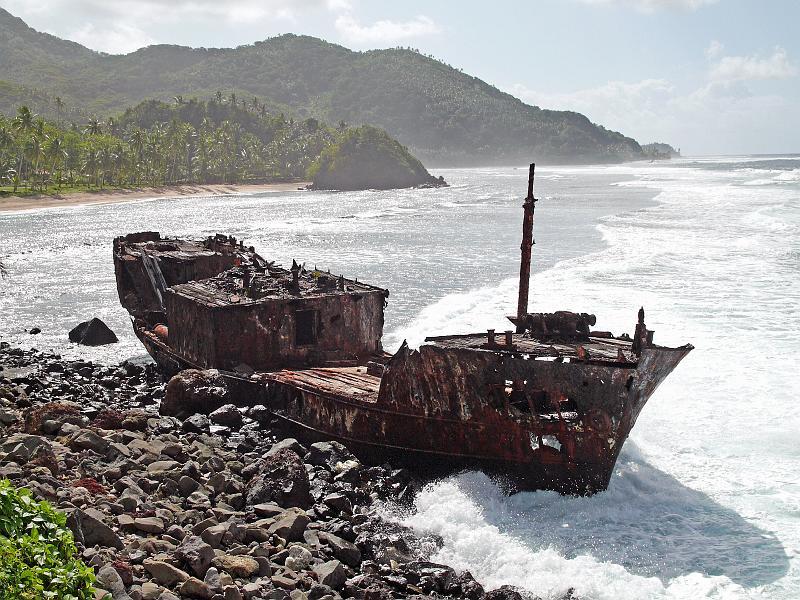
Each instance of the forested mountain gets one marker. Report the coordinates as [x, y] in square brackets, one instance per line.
[442, 115]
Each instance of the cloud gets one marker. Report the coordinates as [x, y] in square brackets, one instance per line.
[117, 13]
[716, 117]
[117, 39]
[384, 32]
[649, 6]
[124, 25]
[743, 68]
[630, 107]
[714, 49]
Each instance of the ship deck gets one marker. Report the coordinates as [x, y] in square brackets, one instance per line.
[343, 382]
[606, 349]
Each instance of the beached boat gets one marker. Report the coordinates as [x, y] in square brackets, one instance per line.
[547, 405]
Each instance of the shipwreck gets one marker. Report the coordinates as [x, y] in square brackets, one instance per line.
[546, 404]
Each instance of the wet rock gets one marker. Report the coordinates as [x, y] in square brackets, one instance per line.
[328, 454]
[196, 424]
[343, 550]
[291, 525]
[192, 391]
[92, 333]
[368, 587]
[267, 509]
[287, 444]
[465, 586]
[331, 573]
[282, 479]
[505, 592]
[8, 416]
[21, 447]
[227, 415]
[339, 501]
[89, 440]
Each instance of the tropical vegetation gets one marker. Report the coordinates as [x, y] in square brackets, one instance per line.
[154, 143]
[444, 116]
[366, 157]
[38, 557]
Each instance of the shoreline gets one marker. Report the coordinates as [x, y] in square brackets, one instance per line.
[226, 501]
[117, 195]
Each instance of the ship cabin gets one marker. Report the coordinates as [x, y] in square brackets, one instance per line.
[220, 305]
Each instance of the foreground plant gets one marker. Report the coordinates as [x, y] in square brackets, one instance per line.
[38, 557]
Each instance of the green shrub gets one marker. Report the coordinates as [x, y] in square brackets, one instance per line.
[38, 558]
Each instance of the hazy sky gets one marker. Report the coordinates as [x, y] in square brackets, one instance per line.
[709, 76]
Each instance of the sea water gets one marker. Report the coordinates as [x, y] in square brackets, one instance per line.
[705, 499]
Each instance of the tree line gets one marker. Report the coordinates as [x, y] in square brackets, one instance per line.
[154, 143]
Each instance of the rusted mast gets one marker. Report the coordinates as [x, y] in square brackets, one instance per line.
[525, 248]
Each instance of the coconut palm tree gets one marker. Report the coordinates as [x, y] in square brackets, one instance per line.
[60, 110]
[91, 165]
[23, 124]
[55, 151]
[93, 127]
[24, 121]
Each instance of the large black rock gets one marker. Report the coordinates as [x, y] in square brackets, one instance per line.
[93, 333]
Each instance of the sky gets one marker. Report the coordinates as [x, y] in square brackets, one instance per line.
[708, 76]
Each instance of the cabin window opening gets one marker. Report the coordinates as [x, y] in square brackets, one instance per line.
[569, 405]
[517, 398]
[541, 401]
[552, 441]
[305, 327]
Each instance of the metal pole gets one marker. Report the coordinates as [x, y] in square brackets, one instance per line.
[525, 249]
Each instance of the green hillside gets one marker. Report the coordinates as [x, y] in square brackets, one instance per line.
[443, 116]
[367, 158]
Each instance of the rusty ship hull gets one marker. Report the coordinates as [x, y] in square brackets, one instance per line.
[548, 406]
[573, 452]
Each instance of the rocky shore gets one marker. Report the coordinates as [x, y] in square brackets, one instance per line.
[215, 507]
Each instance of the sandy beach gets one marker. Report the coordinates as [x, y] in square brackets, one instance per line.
[111, 196]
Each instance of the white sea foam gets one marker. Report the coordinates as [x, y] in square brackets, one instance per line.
[706, 499]
[706, 506]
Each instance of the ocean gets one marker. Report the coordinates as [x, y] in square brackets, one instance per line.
[705, 500]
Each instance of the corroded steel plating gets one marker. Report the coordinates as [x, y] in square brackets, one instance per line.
[546, 407]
